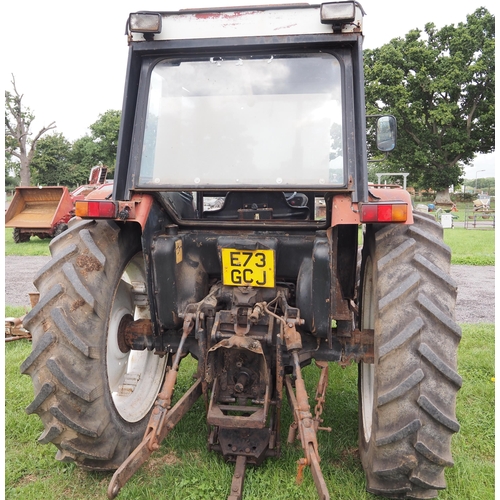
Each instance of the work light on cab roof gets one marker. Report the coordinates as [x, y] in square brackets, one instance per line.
[341, 15]
[145, 22]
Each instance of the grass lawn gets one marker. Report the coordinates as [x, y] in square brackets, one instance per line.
[184, 469]
[35, 246]
[472, 247]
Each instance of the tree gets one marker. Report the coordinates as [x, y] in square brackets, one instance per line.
[105, 134]
[101, 146]
[441, 88]
[52, 163]
[483, 183]
[18, 120]
[85, 153]
[11, 167]
[11, 174]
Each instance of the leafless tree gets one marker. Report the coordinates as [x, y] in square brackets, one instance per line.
[18, 143]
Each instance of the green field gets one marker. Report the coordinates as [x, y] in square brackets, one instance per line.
[184, 469]
[472, 247]
[35, 246]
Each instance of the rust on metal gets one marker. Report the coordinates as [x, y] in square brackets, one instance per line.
[139, 208]
[306, 427]
[238, 478]
[34, 298]
[358, 347]
[292, 336]
[242, 392]
[163, 418]
[14, 329]
[38, 208]
[321, 396]
[238, 365]
[143, 451]
[344, 211]
[132, 334]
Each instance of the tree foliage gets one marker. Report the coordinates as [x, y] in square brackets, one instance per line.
[105, 134]
[84, 152]
[481, 183]
[440, 85]
[52, 163]
[18, 143]
[101, 146]
[58, 162]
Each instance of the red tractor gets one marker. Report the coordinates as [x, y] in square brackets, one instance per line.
[262, 110]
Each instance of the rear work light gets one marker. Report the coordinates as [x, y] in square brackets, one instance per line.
[96, 209]
[338, 12]
[384, 212]
[145, 22]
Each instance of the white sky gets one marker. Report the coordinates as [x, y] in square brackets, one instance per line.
[70, 62]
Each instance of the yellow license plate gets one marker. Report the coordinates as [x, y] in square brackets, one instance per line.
[248, 267]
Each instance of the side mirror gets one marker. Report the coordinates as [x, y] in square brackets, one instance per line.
[386, 133]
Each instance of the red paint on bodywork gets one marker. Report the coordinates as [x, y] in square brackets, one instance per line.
[346, 212]
[222, 15]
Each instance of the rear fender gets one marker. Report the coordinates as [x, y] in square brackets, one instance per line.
[136, 209]
[344, 211]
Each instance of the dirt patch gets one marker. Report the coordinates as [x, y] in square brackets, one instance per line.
[25, 480]
[476, 293]
[76, 304]
[88, 264]
[156, 465]
[475, 303]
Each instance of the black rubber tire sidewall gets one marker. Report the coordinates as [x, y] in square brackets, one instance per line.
[19, 237]
[411, 289]
[77, 289]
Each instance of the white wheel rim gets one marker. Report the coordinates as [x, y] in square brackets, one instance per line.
[135, 377]
[367, 372]
[367, 378]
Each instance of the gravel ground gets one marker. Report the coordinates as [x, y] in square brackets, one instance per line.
[475, 304]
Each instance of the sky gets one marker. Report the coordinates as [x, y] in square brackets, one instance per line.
[69, 62]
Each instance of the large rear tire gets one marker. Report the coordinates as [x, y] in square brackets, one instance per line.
[407, 397]
[93, 399]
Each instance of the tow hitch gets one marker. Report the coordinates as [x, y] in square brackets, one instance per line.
[241, 374]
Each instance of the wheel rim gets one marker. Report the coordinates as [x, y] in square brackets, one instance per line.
[134, 377]
[367, 371]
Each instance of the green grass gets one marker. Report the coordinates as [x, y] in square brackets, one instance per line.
[184, 469]
[15, 311]
[472, 247]
[35, 246]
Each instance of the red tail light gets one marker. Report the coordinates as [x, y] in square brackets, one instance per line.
[96, 209]
[383, 212]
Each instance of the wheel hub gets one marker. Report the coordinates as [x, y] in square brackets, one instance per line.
[135, 373]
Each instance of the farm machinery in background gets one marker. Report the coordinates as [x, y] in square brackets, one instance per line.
[482, 204]
[44, 211]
